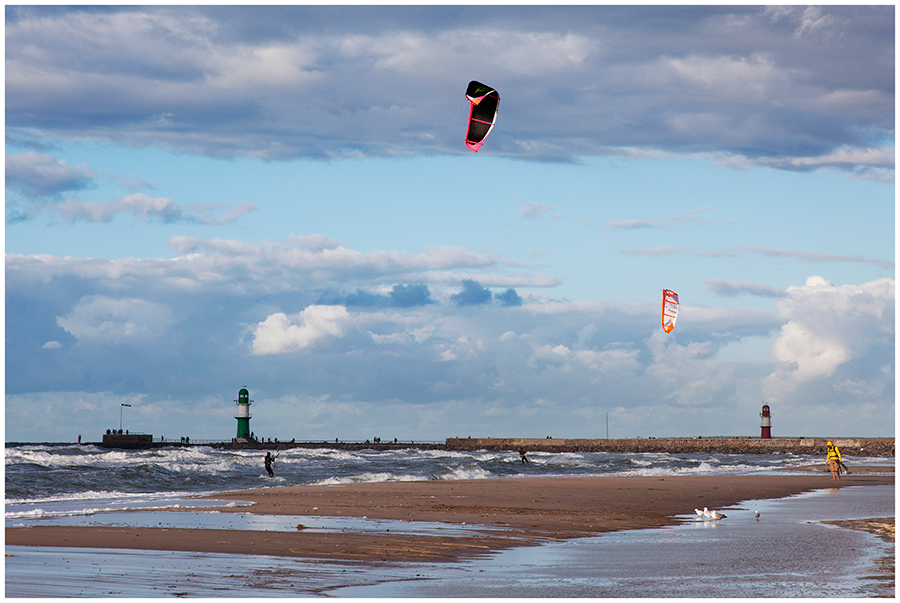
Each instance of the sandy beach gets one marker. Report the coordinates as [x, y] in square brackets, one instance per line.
[531, 511]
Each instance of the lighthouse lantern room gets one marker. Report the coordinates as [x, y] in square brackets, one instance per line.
[766, 423]
[243, 415]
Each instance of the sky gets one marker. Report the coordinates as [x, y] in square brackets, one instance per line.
[205, 198]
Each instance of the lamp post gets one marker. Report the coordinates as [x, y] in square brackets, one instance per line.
[120, 414]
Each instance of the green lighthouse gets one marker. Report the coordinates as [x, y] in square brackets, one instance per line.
[243, 415]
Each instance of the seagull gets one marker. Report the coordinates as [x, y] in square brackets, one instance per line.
[756, 515]
[706, 514]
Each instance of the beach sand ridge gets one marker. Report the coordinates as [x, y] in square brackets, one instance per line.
[531, 511]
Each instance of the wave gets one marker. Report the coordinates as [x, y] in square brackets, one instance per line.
[77, 478]
[41, 513]
[368, 478]
[97, 495]
[467, 472]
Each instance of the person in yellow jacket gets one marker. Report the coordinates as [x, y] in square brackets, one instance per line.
[834, 460]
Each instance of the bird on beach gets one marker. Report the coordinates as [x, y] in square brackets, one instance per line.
[707, 514]
[756, 515]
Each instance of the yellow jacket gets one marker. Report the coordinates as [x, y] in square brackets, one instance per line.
[833, 454]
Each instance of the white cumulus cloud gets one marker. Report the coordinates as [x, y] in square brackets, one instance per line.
[280, 333]
[826, 327]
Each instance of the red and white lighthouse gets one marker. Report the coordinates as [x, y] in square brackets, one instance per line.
[766, 423]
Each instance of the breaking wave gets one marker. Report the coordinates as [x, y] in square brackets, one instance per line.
[53, 480]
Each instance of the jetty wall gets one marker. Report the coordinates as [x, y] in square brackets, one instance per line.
[746, 445]
[848, 446]
[329, 445]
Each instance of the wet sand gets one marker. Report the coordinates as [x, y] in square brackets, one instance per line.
[532, 511]
[884, 528]
[881, 526]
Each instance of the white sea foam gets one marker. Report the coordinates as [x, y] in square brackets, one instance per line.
[115, 479]
[453, 454]
[565, 460]
[98, 495]
[277, 478]
[323, 453]
[42, 513]
[470, 472]
[369, 478]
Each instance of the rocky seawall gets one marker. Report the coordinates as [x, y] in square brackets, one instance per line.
[849, 446]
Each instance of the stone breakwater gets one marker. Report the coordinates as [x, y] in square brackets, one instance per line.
[848, 446]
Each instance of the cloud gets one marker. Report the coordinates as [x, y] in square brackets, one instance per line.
[812, 20]
[827, 327]
[720, 77]
[406, 296]
[629, 224]
[539, 211]
[187, 326]
[358, 298]
[98, 318]
[142, 208]
[867, 163]
[689, 217]
[657, 251]
[324, 271]
[472, 294]
[763, 88]
[215, 214]
[42, 175]
[509, 298]
[727, 288]
[280, 334]
[605, 361]
[313, 242]
[806, 256]
[400, 296]
[685, 374]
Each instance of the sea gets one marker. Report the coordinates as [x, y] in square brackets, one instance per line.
[69, 484]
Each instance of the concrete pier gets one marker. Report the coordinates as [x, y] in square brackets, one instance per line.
[736, 445]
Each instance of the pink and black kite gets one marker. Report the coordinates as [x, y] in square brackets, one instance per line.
[483, 113]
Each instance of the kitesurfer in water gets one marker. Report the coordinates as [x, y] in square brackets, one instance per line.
[269, 460]
[522, 455]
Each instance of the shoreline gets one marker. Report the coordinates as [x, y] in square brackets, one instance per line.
[531, 511]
